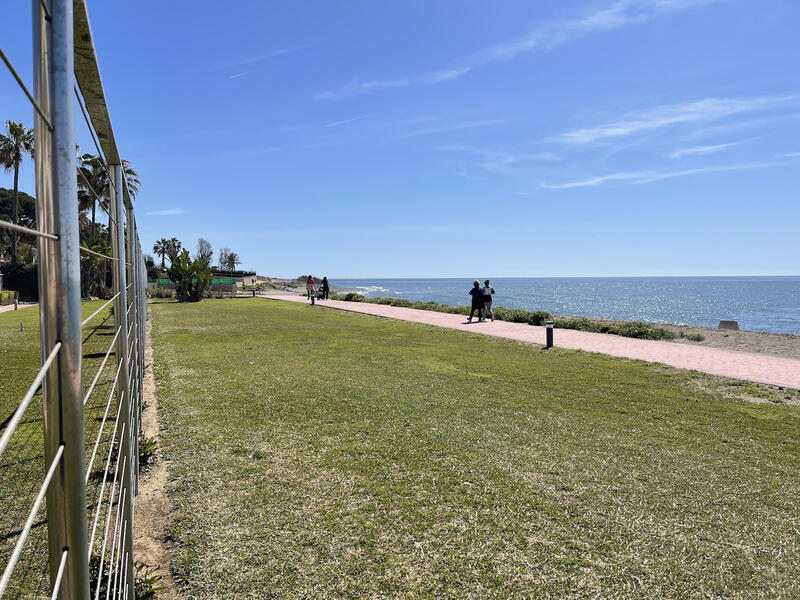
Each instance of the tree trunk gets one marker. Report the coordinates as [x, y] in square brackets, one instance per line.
[162, 261]
[15, 216]
[94, 237]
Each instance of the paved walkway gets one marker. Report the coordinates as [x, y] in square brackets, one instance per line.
[7, 307]
[762, 368]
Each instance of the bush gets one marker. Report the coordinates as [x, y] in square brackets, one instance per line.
[146, 584]
[353, 297]
[632, 329]
[192, 278]
[643, 331]
[8, 296]
[147, 451]
[540, 317]
[694, 337]
[162, 292]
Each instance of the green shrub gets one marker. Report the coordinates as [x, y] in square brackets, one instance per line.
[643, 331]
[162, 292]
[540, 317]
[192, 277]
[353, 297]
[632, 329]
[147, 451]
[694, 337]
[8, 297]
[146, 584]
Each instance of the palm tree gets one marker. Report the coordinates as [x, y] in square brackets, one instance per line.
[232, 260]
[17, 141]
[93, 179]
[174, 248]
[161, 248]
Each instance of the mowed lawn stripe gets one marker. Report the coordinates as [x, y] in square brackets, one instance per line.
[328, 454]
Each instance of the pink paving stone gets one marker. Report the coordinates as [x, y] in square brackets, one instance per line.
[762, 368]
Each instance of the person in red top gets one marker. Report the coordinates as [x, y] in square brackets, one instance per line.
[310, 288]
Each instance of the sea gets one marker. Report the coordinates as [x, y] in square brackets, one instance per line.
[758, 303]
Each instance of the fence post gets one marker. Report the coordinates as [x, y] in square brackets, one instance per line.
[60, 295]
[121, 321]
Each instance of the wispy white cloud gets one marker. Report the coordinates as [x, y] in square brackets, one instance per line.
[793, 155]
[499, 160]
[707, 109]
[337, 123]
[357, 88]
[756, 124]
[702, 149]
[254, 60]
[166, 212]
[640, 177]
[621, 13]
[237, 75]
[447, 127]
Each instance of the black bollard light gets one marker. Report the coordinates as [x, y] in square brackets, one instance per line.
[549, 326]
[312, 298]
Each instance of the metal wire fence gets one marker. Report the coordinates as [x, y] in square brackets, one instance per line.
[69, 446]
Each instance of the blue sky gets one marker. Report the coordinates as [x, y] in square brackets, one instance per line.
[512, 138]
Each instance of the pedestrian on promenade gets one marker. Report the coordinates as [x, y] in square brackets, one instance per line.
[310, 287]
[487, 290]
[477, 301]
[325, 288]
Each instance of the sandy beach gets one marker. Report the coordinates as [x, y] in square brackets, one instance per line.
[784, 345]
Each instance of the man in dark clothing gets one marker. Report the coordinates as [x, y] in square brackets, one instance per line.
[477, 301]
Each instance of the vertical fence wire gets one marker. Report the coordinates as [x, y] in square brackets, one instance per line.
[78, 408]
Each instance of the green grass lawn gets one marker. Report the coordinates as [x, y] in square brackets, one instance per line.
[323, 454]
[22, 466]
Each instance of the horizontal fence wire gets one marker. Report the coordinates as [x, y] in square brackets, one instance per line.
[105, 480]
[102, 365]
[120, 502]
[86, 250]
[23, 406]
[99, 310]
[59, 575]
[103, 422]
[12, 562]
[28, 230]
[25, 89]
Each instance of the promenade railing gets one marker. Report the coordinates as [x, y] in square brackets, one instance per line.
[82, 489]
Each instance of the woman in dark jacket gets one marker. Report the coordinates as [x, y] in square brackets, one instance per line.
[325, 288]
[477, 301]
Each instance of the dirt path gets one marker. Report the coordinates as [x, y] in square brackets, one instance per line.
[153, 507]
[762, 368]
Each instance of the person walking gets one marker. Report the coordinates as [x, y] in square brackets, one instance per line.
[310, 286]
[325, 288]
[487, 291]
[477, 301]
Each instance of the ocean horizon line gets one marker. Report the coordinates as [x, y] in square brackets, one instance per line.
[451, 277]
